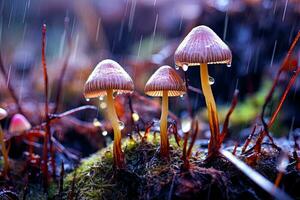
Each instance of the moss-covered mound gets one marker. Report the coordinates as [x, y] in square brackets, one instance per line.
[148, 176]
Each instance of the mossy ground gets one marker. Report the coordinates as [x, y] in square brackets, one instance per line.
[148, 176]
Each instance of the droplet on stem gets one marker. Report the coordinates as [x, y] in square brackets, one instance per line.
[176, 67]
[104, 133]
[211, 80]
[135, 117]
[101, 98]
[121, 125]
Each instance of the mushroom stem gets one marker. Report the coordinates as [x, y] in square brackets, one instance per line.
[211, 108]
[4, 152]
[164, 147]
[112, 115]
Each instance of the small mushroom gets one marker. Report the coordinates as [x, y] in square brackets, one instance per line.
[200, 47]
[3, 114]
[19, 124]
[165, 82]
[107, 78]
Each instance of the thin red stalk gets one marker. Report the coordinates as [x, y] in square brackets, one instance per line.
[173, 126]
[247, 142]
[193, 140]
[226, 122]
[275, 114]
[235, 148]
[64, 68]
[284, 67]
[290, 84]
[47, 135]
[185, 165]
[10, 88]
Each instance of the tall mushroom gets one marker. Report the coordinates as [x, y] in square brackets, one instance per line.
[200, 47]
[165, 82]
[3, 114]
[107, 78]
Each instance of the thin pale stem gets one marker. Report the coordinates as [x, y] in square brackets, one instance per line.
[4, 152]
[211, 108]
[164, 147]
[112, 115]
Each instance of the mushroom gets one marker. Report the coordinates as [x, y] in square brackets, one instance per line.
[19, 124]
[3, 114]
[165, 82]
[107, 78]
[203, 46]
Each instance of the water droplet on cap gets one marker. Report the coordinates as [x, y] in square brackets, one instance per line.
[185, 67]
[228, 65]
[176, 67]
[101, 98]
[87, 99]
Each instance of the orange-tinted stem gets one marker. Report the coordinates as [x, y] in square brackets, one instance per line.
[211, 109]
[112, 115]
[4, 152]
[164, 142]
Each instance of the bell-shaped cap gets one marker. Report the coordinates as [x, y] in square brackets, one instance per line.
[202, 45]
[3, 113]
[108, 74]
[165, 79]
[19, 124]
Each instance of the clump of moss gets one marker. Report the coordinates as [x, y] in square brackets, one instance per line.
[148, 176]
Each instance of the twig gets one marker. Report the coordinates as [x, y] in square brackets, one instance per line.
[226, 122]
[47, 135]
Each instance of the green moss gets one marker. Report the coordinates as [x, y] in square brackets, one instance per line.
[145, 170]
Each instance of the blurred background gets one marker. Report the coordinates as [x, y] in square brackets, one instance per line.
[142, 35]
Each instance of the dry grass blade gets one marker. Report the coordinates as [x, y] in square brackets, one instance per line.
[255, 176]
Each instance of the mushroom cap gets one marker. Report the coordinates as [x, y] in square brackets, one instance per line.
[202, 45]
[19, 124]
[165, 78]
[108, 74]
[3, 113]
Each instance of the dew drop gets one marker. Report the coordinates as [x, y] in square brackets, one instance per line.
[103, 105]
[96, 123]
[185, 67]
[101, 98]
[104, 133]
[135, 117]
[186, 124]
[87, 99]
[121, 125]
[182, 96]
[228, 65]
[211, 80]
[176, 67]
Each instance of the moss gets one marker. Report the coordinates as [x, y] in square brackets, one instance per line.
[146, 172]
